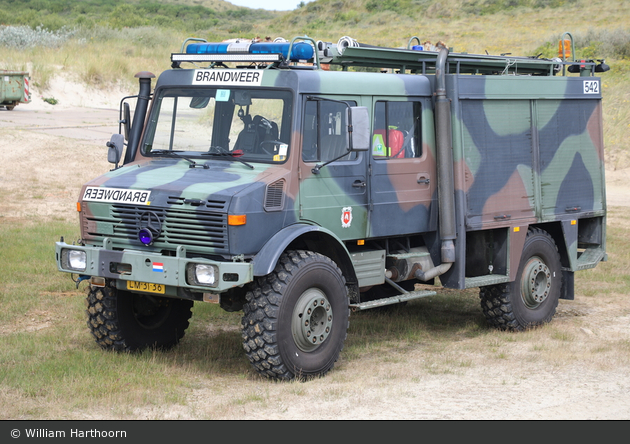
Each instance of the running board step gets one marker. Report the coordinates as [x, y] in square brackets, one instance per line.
[392, 300]
[590, 258]
[483, 281]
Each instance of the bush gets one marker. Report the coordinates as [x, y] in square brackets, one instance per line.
[126, 16]
[605, 43]
[21, 37]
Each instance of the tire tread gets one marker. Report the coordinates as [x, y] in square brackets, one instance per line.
[497, 300]
[260, 315]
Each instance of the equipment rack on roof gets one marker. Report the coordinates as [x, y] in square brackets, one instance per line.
[349, 53]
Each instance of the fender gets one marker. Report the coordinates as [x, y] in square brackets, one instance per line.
[265, 261]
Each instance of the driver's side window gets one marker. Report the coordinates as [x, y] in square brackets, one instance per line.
[325, 131]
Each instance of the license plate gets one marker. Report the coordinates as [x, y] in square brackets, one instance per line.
[145, 286]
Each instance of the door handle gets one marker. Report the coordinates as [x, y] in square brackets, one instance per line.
[425, 180]
[359, 184]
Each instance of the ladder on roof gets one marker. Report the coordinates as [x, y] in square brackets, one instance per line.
[424, 62]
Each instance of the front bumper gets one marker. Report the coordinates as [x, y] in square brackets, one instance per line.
[154, 268]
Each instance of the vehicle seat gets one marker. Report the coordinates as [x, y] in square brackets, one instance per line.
[246, 140]
[256, 130]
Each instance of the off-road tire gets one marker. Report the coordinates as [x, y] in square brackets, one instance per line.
[531, 300]
[281, 337]
[125, 321]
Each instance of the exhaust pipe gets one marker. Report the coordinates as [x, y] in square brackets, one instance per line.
[142, 104]
[444, 148]
[433, 272]
[446, 187]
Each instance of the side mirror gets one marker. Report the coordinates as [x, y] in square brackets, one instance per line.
[115, 148]
[359, 121]
[126, 120]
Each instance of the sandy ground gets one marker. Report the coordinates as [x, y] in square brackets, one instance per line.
[50, 150]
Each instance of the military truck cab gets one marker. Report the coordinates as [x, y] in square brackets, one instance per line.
[299, 193]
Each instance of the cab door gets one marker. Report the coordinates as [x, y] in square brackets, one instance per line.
[403, 181]
[332, 195]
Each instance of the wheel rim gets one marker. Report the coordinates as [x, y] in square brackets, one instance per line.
[536, 282]
[312, 320]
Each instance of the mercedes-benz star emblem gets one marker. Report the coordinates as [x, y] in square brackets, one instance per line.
[150, 227]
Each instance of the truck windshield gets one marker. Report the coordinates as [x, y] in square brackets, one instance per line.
[253, 125]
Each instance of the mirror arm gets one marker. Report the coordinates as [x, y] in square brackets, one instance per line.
[316, 168]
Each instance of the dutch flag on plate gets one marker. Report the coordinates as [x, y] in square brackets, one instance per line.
[158, 266]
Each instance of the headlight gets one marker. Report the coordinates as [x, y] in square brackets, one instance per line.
[202, 274]
[74, 259]
[205, 274]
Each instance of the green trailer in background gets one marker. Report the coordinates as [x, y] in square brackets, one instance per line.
[14, 88]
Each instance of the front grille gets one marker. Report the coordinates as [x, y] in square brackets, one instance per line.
[197, 230]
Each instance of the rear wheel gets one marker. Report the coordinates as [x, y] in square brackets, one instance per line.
[532, 298]
[296, 318]
[124, 321]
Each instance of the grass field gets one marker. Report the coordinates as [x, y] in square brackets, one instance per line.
[50, 367]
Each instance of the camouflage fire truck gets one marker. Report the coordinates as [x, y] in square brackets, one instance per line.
[299, 181]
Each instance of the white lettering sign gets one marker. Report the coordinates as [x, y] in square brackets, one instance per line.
[116, 195]
[228, 77]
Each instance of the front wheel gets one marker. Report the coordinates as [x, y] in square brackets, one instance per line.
[532, 298]
[296, 318]
[124, 321]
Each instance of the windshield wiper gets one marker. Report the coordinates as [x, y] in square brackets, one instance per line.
[172, 153]
[220, 151]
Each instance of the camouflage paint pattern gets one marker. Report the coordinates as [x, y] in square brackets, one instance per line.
[527, 150]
